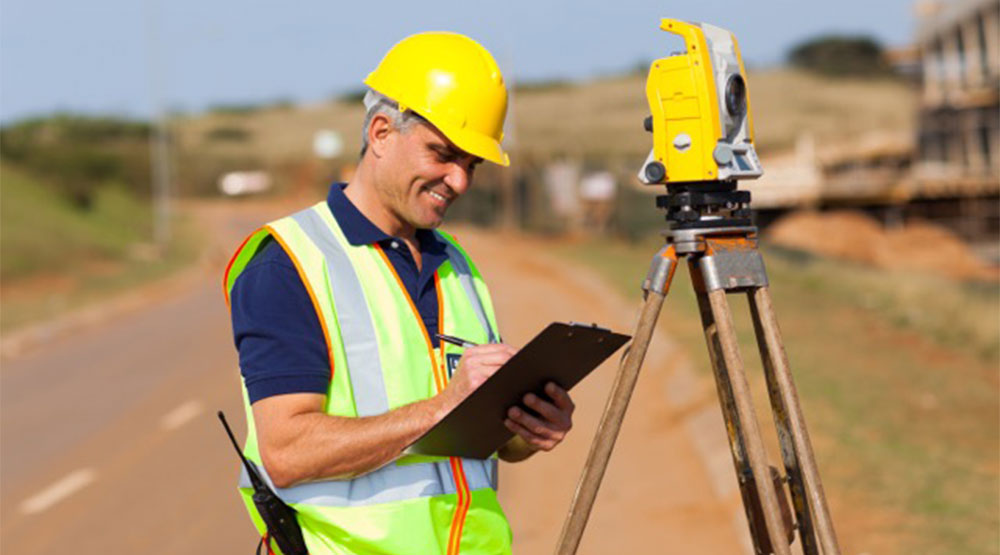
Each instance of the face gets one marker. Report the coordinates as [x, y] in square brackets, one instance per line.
[420, 173]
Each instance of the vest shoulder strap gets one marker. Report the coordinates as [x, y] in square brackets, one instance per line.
[467, 275]
[352, 312]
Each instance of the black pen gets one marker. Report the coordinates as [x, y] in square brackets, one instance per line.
[455, 340]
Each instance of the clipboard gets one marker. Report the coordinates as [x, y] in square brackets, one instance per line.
[561, 353]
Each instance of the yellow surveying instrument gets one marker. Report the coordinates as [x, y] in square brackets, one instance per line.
[702, 144]
[701, 125]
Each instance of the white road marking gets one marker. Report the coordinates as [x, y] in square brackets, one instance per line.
[58, 491]
[181, 415]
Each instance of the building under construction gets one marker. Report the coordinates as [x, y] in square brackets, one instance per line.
[948, 170]
[958, 145]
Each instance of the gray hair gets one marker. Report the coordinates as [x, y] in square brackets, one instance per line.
[378, 103]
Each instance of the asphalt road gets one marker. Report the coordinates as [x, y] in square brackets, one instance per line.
[109, 438]
[110, 444]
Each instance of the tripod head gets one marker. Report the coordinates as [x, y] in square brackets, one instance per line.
[705, 204]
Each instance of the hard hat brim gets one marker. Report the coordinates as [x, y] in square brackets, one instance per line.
[473, 143]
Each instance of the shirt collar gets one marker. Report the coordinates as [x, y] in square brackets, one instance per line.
[359, 230]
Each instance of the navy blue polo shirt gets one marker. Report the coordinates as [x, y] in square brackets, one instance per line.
[275, 325]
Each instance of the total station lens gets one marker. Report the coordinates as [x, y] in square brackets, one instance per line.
[736, 95]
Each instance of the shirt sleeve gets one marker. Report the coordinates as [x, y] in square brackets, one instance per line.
[276, 329]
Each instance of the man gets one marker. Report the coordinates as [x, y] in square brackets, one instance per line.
[335, 314]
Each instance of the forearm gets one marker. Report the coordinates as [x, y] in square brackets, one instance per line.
[299, 442]
[315, 446]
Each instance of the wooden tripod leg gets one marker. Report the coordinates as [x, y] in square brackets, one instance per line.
[727, 403]
[614, 411]
[722, 337]
[796, 449]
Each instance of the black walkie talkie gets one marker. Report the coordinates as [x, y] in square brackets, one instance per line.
[278, 517]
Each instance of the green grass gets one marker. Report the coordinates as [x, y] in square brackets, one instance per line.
[898, 377]
[43, 232]
[55, 256]
[956, 315]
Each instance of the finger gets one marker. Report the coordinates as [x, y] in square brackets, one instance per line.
[530, 438]
[559, 418]
[537, 426]
[486, 359]
[490, 348]
[496, 349]
[560, 397]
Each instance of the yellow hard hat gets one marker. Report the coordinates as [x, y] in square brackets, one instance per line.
[451, 81]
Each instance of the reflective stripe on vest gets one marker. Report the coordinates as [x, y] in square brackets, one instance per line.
[394, 482]
[461, 267]
[360, 344]
[385, 485]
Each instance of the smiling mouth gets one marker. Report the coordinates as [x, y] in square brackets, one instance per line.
[439, 197]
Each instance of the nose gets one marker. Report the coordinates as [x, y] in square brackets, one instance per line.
[458, 177]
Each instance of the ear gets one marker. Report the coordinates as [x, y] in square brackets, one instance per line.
[379, 131]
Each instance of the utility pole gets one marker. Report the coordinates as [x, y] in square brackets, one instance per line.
[159, 141]
[160, 152]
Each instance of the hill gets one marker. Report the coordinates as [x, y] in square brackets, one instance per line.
[599, 120]
[57, 256]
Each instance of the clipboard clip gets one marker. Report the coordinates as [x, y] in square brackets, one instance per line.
[589, 326]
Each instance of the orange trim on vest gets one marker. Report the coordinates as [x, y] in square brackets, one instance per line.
[439, 380]
[437, 289]
[312, 294]
[462, 507]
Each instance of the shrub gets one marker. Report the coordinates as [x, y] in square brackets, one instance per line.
[838, 55]
[77, 154]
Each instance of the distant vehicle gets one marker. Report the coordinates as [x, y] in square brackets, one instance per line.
[244, 183]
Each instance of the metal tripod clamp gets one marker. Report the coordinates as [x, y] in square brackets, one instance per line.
[732, 263]
[661, 271]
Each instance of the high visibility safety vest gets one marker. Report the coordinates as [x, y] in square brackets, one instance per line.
[381, 358]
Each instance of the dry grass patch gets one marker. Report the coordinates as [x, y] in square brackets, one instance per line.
[593, 119]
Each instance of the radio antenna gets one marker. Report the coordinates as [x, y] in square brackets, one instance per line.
[255, 478]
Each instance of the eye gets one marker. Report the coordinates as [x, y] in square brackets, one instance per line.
[442, 156]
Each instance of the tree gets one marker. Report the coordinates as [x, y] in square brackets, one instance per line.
[840, 55]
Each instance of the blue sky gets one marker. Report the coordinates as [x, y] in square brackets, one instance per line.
[111, 56]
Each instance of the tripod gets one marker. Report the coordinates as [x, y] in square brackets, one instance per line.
[709, 224]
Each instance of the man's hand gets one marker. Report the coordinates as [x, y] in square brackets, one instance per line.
[554, 419]
[476, 366]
